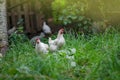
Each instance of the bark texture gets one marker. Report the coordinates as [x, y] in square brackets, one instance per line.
[3, 27]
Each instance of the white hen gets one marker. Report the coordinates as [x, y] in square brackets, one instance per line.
[41, 47]
[59, 41]
[46, 28]
[52, 45]
[32, 40]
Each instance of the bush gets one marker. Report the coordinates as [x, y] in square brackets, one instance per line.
[66, 14]
[45, 8]
[18, 36]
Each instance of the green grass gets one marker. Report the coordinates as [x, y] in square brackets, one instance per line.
[97, 58]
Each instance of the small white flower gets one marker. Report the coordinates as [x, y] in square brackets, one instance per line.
[70, 57]
[73, 50]
[1, 55]
[73, 63]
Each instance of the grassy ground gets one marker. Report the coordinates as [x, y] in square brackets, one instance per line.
[97, 57]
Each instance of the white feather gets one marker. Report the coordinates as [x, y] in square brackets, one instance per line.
[59, 41]
[46, 28]
[73, 64]
[52, 45]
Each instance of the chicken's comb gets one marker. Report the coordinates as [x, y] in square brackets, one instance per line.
[37, 39]
[62, 29]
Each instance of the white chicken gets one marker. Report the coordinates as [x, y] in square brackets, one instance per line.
[41, 47]
[52, 45]
[59, 41]
[32, 41]
[46, 28]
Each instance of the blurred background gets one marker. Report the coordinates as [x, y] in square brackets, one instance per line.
[70, 13]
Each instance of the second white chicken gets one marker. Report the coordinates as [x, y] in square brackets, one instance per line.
[59, 41]
[52, 46]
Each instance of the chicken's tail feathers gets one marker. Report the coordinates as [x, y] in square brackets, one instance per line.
[49, 39]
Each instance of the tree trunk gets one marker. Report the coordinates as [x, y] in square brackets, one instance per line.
[3, 27]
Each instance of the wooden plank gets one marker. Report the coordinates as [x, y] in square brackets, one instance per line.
[13, 15]
[39, 22]
[9, 24]
[13, 19]
[34, 22]
[35, 17]
[18, 10]
[38, 15]
[31, 13]
[31, 23]
[16, 5]
[27, 21]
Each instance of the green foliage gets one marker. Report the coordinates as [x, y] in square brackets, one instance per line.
[1, 1]
[18, 36]
[45, 8]
[97, 57]
[57, 6]
[71, 12]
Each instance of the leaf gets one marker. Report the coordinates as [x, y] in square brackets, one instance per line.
[69, 16]
[60, 18]
[12, 71]
[23, 69]
[85, 22]
[69, 21]
[80, 18]
[74, 17]
[79, 24]
[65, 23]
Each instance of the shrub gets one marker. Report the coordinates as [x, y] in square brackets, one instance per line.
[17, 36]
[66, 14]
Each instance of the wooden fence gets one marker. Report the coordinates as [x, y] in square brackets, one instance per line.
[26, 10]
